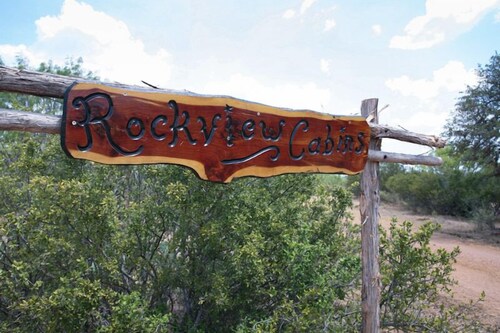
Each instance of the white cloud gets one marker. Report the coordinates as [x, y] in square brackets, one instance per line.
[430, 119]
[324, 65]
[306, 4]
[105, 43]
[304, 7]
[377, 29]
[329, 25]
[497, 17]
[288, 14]
[442, 19]
[453, 77]
[297, 96]
[10, 52]
[427, 122]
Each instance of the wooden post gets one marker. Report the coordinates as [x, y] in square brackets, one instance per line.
[369, 204]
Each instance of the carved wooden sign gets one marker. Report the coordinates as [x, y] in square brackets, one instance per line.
[220, 138]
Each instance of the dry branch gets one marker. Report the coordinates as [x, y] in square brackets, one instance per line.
[33, 83]
[382, 156]
[384, 131]
[13, 120]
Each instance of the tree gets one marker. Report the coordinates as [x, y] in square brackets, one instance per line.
[474, 135]
[474, 130]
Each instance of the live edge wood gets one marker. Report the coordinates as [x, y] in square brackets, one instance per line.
[220, 138]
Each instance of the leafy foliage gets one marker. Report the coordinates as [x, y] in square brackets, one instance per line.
[448, 190]
[474, 129]
[413, 275]
[88, 246]
[416, 284]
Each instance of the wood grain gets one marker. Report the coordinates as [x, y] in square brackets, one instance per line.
[14, 120]
[385, 157]
[380, 131]
[220, 138]
[369, 205]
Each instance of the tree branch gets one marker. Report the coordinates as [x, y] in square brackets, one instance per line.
[385, 157]
[383, 131]
[13, 120]
[33, 83]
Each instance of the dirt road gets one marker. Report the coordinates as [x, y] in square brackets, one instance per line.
[477, 269]
[478, 265]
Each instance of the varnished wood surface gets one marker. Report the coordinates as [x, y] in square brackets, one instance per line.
[218, 137]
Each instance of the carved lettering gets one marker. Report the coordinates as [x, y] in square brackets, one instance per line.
[135, 129]
[248, 129]
[96, 103]
[361, 141]
[161, 119]
[176, 126]
[218, 137]
[329, 144]
[314, 146]
[292, 137]
[268, 133]
[229, 126]
[206, 134]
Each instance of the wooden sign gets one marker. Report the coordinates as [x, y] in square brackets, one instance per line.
[220, 138]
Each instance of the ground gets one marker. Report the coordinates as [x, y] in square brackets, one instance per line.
[478, 265]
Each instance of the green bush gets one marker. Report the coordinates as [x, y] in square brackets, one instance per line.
[87, 247]
[448, 190]
[416, 284]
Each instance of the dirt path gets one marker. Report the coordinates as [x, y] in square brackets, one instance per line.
[477, 269]
[478, 265]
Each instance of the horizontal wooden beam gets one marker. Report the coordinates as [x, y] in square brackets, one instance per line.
[13, 120]
[386, 157]
[33, 83]
[52, 85]
[379, 131]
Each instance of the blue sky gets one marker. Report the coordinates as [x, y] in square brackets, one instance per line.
[324, 55]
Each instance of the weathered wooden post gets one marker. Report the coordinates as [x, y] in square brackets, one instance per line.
[369, 204]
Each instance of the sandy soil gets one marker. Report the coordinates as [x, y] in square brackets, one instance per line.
[478, 265]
